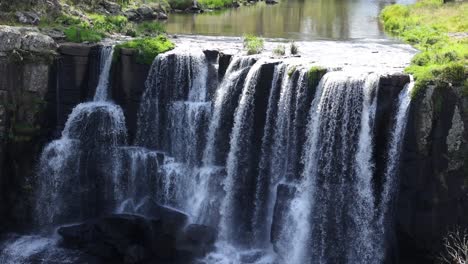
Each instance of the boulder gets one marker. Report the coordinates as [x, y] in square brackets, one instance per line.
[55, 34]
[37, 42]
[132, 15]
[29, 18]
[150, 208]
[10, 38]
[111, 7]
[125, 238]
[197, 240]
[145, 12]
[161, 16]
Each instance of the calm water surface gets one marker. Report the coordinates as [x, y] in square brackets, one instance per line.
[291, 19]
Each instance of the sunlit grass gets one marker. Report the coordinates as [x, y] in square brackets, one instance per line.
[427, 26]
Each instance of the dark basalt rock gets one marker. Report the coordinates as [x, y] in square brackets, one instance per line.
[284, 194]
[223, 61]
[433, 174]
[124, 238]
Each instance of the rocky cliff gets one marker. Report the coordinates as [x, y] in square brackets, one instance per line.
[433, 196]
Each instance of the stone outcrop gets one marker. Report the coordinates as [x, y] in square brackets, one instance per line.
[24, 38]
[433, 197]
[30, 18]
[145, 12]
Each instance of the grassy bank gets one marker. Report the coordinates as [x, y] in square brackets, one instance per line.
[436, 29]
[147, 48]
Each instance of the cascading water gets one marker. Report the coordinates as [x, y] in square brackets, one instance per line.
[106, 64]
[332, 211]
[87, 155]
[283, 167]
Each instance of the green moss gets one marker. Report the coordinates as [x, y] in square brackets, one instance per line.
[148, 48]
[253, 44]
[315, 74]
[291, 70]
[80, 34]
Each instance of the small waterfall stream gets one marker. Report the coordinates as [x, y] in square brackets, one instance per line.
[283, 168]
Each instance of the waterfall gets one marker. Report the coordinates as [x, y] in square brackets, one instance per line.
[390, 188]
[335, 200]
[243, 123]
[277, 163]
[225, 101]
[173, 119]
[106, 64]
[79, 174]
[282, 164]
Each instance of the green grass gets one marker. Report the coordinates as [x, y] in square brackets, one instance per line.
[253, 44]
[148, 48]
[108, 23]
[315, 74]
[426, 25]
[79, 34]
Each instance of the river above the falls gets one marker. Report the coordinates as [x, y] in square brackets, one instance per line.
[289, 19]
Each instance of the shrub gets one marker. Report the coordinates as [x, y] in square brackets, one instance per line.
[253, 44]
[453, 72]
[108, 23]
[79, 34]
[68, 20]
[214, 4]
[180, 4]
[456, 248]
[293, 48]
[279, 50]
[148, 48]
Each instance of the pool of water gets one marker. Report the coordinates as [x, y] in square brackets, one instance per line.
[290, 19]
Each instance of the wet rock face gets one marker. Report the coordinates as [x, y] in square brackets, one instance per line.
[23, 89]
[434, 173]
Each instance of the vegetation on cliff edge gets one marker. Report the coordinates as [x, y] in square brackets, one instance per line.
[253, 44]
[438, 30]
[148, 48]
